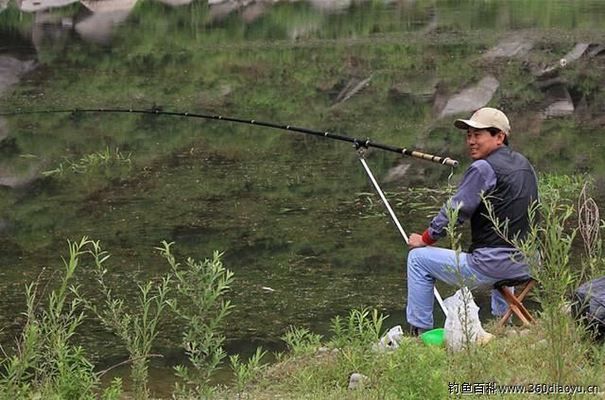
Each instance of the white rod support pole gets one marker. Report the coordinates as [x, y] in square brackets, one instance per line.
[384, 199]
[396, 221]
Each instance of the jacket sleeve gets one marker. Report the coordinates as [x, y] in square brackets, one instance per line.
[478, 178]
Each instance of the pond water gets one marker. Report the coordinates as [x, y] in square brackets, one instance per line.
[291, 213]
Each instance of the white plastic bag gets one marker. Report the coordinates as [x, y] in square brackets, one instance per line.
[462, 324]
[390, 340]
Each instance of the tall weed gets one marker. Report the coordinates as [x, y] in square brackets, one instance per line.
[362, 327]
[46, 363]
[301, 341]
[245, 371]
[199, 302]
[137, 326]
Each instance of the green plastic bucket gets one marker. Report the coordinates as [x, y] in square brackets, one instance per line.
[434, 337]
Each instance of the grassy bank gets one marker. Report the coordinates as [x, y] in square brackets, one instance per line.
[516, 359]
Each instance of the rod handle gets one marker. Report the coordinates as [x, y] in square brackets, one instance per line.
[430, 157]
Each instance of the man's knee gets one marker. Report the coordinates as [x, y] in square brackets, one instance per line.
[415, 257]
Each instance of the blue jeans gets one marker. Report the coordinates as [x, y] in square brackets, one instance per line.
[425, 265]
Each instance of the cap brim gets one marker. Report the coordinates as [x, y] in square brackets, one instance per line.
[466, 123]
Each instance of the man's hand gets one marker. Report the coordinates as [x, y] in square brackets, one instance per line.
[415, 240]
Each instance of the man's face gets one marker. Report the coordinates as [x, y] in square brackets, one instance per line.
[481, 143]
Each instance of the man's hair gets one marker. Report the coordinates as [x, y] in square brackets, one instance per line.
[495, 131]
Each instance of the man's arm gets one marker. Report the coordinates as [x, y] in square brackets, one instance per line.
[479, 178]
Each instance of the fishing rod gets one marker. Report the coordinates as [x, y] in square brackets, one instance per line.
[366, 142]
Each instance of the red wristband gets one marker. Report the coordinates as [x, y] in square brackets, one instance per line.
[426, 238]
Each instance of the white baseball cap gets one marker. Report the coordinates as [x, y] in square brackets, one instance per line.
[484, 118]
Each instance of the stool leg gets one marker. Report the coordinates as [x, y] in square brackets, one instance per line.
[505, 318]
[515, 306]
[520, 298]
[526, 290]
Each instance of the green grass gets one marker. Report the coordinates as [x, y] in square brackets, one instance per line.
[417, 371]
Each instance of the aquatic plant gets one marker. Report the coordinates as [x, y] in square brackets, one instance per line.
[96, 161]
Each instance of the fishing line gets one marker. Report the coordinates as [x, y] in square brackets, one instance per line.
[366, 142]
[449, 181]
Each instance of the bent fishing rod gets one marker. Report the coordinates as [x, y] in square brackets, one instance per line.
[365, 142]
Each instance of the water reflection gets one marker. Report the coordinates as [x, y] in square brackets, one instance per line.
[98, 27]
[11, 71]
[96, 20]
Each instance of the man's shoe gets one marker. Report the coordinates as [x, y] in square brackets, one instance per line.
[415, 331]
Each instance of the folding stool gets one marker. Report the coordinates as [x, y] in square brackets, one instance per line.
[515, 302]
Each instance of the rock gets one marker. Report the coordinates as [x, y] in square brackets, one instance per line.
[107, 6]
[396, 173]
[512, 332]
[510, 47]
[471, 98]
[330, 5]
[549, 72]
[11, 70]
[219, 10]
[175, 3]
[40, 5]
[552, 71]
[357, 381]
[351, 88]
[216, 97]
[560, 102]
[402, 93]
[254, 11]
[577, 52]
[596, 50]
[12, 179]
[98, 27]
